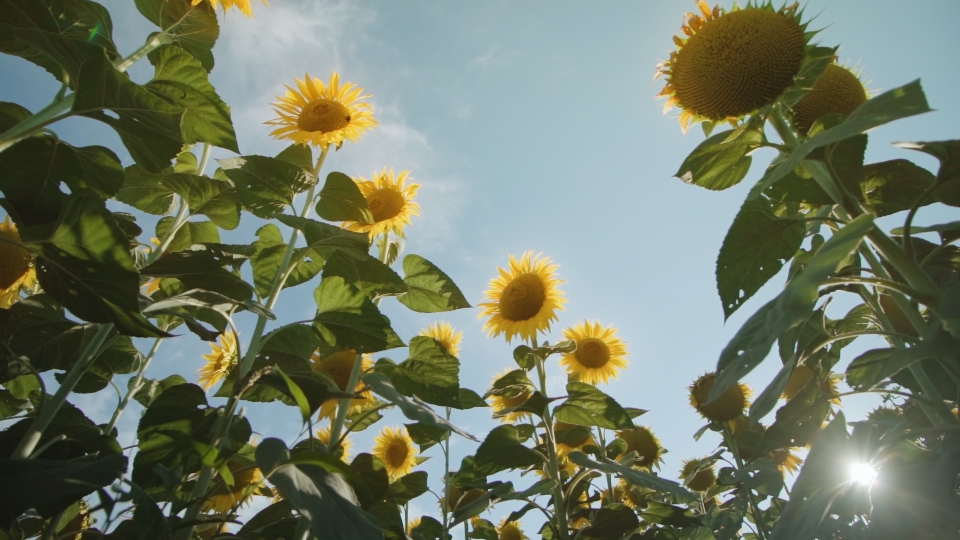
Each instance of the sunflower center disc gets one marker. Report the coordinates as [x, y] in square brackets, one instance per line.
[385, 203]
[592, 353]
[14, 261]
[642, 442]
[522, 298]
[397, 453]
[510, 532]
[338, 366]
[323, 116]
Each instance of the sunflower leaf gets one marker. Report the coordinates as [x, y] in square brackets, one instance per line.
[430, 373]
[412, 408]
[194, 27]
[266, 185]
[367, 274]
[189, 234]
[429, 289]
[717, 164]
[145, 191]
[341, 200]
[588, 406]
[270, 248]
[502, 450]
[206, 196]
[346, 318]
[200, 270]
[634, 476]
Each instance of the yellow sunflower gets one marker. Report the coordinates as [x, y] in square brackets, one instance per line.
[599, 356]
[837, 91]
[220, 361]
[460, 498]
[390, 202]
[631, 495]
[81, 522]
[338, 366]
[413, 524]
[525, 299]
[642, 441]
[395, 448]
[697, 480]
[571, 437]
[731, 63]
[243, 5]
[785, 459]
[726, 407]
[320, 114]
[446, 334]
[346, 444]
[579, 523]
[515, 398]
[803, 375]
[16, 266]
[510, 530]
[246, 479]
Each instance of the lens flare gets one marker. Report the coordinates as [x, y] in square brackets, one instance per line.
[862, 473]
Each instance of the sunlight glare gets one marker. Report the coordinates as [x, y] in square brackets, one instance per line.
[862, 473]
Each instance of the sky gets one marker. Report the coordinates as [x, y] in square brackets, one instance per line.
[533, 126]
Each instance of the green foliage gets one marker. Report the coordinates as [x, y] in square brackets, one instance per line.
[721, 161]
[429, 290]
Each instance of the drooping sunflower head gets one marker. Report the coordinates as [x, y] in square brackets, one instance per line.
[642, 441]
[726, 407]
[696, 476]
[246, 479]
[395, 448]
[510, 530]
[837, 91]
[786, 460]
[390, 201]
[513, 396]
[599, 356]
[459, 498]
[632, 496]
[446, 334]
[338, 367]
[524, 299]
[323, 434]
[220, 361]
[731, 63]
[16, 265]
[322, 114]
[571, 437]
[242, 5]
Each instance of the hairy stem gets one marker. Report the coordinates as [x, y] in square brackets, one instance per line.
[559, 503]
[133, 387]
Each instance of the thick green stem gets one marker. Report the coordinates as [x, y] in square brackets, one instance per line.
[559, 503]
[344, 406]
[603, 450]
[446, 481]
[152, 43]
[134, 386]
[762, 531]
[52, 406]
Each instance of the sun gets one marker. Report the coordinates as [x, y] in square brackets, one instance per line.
[599, 356]
[726, 407]
[446, 334]
[322, 114]
[390, 200]
[731, 63]
[395, 448]
[16, 266]
[524, 299]
[220, 361]
[338, 366]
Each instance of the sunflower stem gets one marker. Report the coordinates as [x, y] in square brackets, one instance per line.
[762, 531]
[560, 506]
[603, 449]
[133, 387]
[446, 481]
[344, 406]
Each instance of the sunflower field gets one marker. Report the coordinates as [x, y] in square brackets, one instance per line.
[108, 253]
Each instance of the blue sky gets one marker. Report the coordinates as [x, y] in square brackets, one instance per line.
[533, 126]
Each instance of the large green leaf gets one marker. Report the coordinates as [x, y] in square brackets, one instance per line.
[200, 270]
[502, 450]
[182, 80]
[877, 365]
[412, 408]
[792, 306]
[429, 290]
[271, 247]
[194, 26]
[894, 186]
[39, 331]
[348, 319]
[266, 185]
[367, 274]
[120, 358]
[12, 114]
[717, 163]
[908, 100]
[146, 191]
[754, 250]
[587, 406]
[815, 61]
[206, 196]
[634, 476]
[83, 262]
[325, 239]
[188, 235]
[610, 523]
[341, 200]
[430, 373]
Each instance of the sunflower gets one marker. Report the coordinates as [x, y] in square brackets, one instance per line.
[801, 376]
[243, 5]
[81, 522]
[837, 91]
[390, 202]
[395, 448]
[731, 63]
[510, 530]
[461, 499]
[16, 266]
[726, 407]
[514, 398]
[346, 444]
[571, 437]
[338, 366]
[631, 496]
[445, 333]
[152, 285]
[246, 479]
[220, 361]
[697, 480]
[525, 299]
[785, 460]
[413, 524]
[579, 523]
[321, 114]
[642, 441]
[600, 354]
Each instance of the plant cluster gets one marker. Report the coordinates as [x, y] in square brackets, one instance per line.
[82, 284]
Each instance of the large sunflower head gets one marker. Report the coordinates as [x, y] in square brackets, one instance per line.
[726, 407]
[514, 396]
[837, 91]
[346, 444]
[696, 476]
[731, 63]
[642, 441]
[246, 479]
[631, 495]
[446, 334]
[242, 5]
[322, 114]
[510, 530]
[338, 366]
[524, 299]
[220, 361]
[390, 201]
[600, 354]
[16, 266]
[395, 448]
